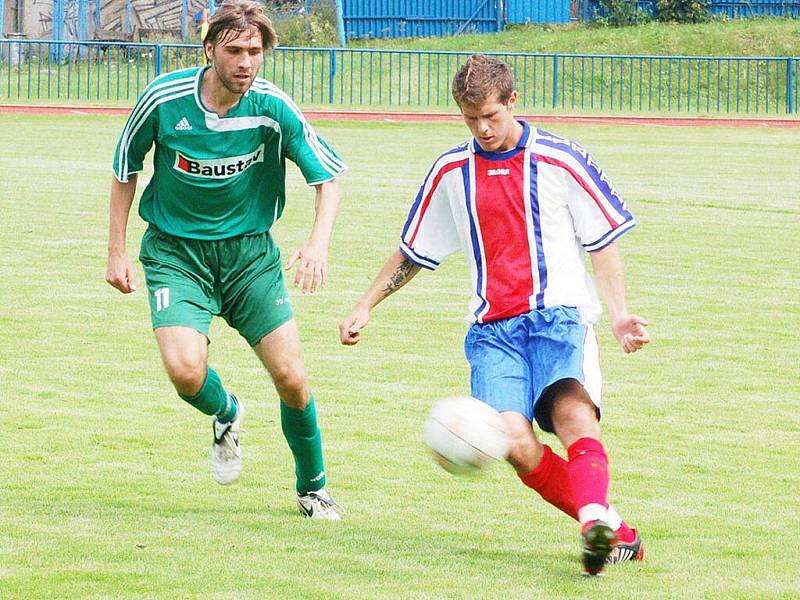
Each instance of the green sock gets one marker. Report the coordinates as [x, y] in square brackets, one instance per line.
[212, 399]
[302, 433]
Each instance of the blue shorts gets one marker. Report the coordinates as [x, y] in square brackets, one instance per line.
[513, 361]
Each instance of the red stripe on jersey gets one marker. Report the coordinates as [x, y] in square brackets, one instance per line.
[426, 202]
[500, 201]
[554, 161]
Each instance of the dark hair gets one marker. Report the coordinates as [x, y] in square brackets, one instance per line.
[480, 78]
[237, 16]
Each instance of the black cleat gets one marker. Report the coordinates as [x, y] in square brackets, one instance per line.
[627, 551]
[598, 542]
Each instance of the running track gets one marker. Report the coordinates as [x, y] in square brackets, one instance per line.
[345, 115]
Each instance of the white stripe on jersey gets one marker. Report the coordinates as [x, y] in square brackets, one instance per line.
[144, 107]
[326, 158]
[214, 123]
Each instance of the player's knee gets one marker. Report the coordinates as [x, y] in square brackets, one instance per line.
[291, 384]
[575, 416]
[187, 375]
[525, 450]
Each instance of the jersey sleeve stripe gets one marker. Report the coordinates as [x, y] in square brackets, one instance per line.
[609, 237]
[155, 89]
[582, 162]
[138, 117]
[583, 183]
[327, 159]
[418, 259]
[443, 170]
[324, 180]
[423, 189]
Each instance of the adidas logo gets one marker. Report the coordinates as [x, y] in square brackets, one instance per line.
[183, 125]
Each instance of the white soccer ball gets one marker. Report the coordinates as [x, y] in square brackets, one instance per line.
[464, 434]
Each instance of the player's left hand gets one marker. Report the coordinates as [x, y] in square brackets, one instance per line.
[312, 267]
[631, 333]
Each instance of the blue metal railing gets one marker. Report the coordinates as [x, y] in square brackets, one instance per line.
[103, 72]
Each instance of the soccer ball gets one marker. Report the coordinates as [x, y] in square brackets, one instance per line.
[464, 434]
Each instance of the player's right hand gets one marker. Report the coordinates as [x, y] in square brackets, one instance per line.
[119, 273]
[351, 325]
[631, 333]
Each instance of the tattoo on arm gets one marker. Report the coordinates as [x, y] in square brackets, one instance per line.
[404, 271]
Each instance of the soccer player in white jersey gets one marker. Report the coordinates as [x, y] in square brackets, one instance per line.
[222, 136]
[524, 206]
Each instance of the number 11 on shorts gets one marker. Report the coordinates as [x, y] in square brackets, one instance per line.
[162, 299]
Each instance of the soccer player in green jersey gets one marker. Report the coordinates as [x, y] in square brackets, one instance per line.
[222, 136]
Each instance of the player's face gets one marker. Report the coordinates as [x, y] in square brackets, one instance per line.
[236, 60]
[492, 123]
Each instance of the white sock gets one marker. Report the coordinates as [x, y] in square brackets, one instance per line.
[592, 512]
[613, 519]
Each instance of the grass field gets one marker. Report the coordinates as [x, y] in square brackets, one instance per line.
[105, 490]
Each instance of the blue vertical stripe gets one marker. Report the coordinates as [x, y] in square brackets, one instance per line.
[473, 234]
[537, 233]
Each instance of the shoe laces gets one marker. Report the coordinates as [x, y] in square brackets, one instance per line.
[229, 437]
[324, 504]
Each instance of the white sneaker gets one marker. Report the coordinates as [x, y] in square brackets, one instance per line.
[226, 456]
[319, 505]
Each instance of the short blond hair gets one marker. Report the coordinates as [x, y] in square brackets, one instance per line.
[480, 78]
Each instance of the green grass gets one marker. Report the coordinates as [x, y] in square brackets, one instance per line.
[105, 490]
[739, 37]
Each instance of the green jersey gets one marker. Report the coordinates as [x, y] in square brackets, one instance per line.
[218, 177]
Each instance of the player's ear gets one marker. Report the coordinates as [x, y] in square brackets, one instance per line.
[512, 101]
[209, 51]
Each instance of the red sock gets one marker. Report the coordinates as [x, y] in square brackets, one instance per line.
[588, 474]
[625, 534]
[551, 479]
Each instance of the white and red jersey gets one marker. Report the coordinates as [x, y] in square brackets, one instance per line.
[523, 219]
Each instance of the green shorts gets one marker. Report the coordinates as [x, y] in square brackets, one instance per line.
[239, 279]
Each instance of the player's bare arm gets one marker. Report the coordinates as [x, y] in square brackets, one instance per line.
[119, 269]
[609, 277]
[312, 258]
[396, 272]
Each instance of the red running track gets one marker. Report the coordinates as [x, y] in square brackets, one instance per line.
[352, 115]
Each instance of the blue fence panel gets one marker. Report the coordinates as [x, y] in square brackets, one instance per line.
[591, 9]
[730, 8]
[109, 73]
[755, 8]
[419, 18]
[541, 11]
